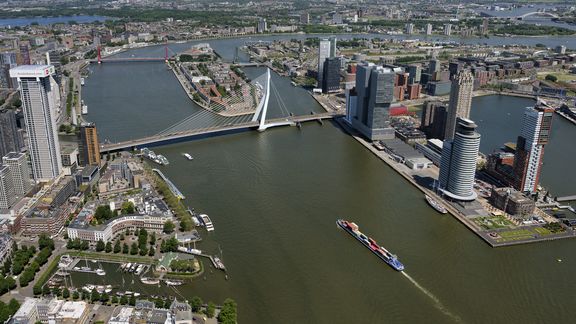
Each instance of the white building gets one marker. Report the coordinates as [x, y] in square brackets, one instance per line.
[409, 28]
[458, 165]
[7, 194]
[34, 82]
[20, 172]
[27, 313]
[447, 29]
[428, 29]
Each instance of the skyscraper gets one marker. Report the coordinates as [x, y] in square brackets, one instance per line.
[409, 28]
[7, 196]
[458, 164]
[428, 29]
[7, 61]
[375, 94]
[535, 134]
[331, 78]
[415, 73]
[447, 29]
[460, 101]
[262, 26]
[88, 146]
[19, 171]
[324, 49]
[9, 137]
[35, 90]
[433, 120]
[332, 46]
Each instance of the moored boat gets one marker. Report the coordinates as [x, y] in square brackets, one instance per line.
[436, 204]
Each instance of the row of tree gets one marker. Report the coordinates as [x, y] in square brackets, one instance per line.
[46, 245]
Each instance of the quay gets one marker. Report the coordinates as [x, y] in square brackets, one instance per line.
[216, 262]
[487, 235]
[568, 118]
[171, 185]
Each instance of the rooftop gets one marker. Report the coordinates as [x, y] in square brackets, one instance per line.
[24, 71]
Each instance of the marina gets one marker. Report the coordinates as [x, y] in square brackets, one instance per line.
[216, 261]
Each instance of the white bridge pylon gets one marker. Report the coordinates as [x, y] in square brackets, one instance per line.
[263, 107]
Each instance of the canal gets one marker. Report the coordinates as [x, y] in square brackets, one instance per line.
[274, 198]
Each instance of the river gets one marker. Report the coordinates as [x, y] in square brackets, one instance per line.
[274, 198]
[24, 21]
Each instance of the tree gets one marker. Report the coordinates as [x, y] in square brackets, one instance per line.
[186, 224]
[134, 248]
[159, 302]
[551, 77]
[125, 248]
[45, 290]
[132, 301]
[143, 250]
[45, 241]
[169, 227]
[103, 213]
[123, 300]
[153, 238]
[75, 295]
[37, 290]
[84, 245]
[94, 296]
[108, 248]
[228, 312]
[151, 251]
[196, 304]
[117, 247]
[100, 246]
[127, 208]
[65, 293]
[104, 297]
[210, 309]
[114, 299]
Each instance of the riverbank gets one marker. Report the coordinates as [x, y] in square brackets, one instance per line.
[494, 237]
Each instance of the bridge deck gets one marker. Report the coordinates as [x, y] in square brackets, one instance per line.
[165, 138]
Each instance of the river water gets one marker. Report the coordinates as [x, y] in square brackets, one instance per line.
[274, 198]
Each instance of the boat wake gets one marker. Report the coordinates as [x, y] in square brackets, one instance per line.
[437, 303]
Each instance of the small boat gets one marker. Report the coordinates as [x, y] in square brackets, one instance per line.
[219, 263]
[150, 281]
[174, 282]
[100, 272]
[207, 222]
[436, 205]
[188, 156]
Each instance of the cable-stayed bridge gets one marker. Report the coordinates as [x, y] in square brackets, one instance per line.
[206, 123]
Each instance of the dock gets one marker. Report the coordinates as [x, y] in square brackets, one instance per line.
[216, 262]
[171, 186]
[566, 198]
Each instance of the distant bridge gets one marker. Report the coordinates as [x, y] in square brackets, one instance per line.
[128, 59]
[538, 13]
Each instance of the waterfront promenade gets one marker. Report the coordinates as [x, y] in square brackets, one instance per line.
[421, 180]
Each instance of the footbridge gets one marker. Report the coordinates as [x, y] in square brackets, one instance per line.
[194, 126]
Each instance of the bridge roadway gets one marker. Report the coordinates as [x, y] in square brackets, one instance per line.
[165, 139]
[129, 59]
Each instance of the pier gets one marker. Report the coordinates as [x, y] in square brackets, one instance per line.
[171, 186]
[566, 198]
[216, 263]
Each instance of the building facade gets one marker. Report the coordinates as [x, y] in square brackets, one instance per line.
[375, 94]
[323, 54]
[7, 194]
[460, 101]
[331, 78]
[88, 146]
[458, 163]
[10, 138]
[107, 232]
[512, 201]
[535, 134]
[19, 171]
[35, 92]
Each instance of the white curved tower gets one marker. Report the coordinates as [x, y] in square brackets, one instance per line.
[458, 164]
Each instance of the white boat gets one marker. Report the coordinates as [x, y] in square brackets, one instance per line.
[100, 272]
[139, 270]
[150, 281]
[173, 282]
[82, 81]
[188, 156]
[84, 109]
[207, 222]
[127, 267]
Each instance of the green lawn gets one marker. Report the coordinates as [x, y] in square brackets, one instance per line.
[542, 231]
[515, 235]
[493, 222]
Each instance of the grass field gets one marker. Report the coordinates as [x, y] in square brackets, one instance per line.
[516, 235]
[562, 76]
[493, 222]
